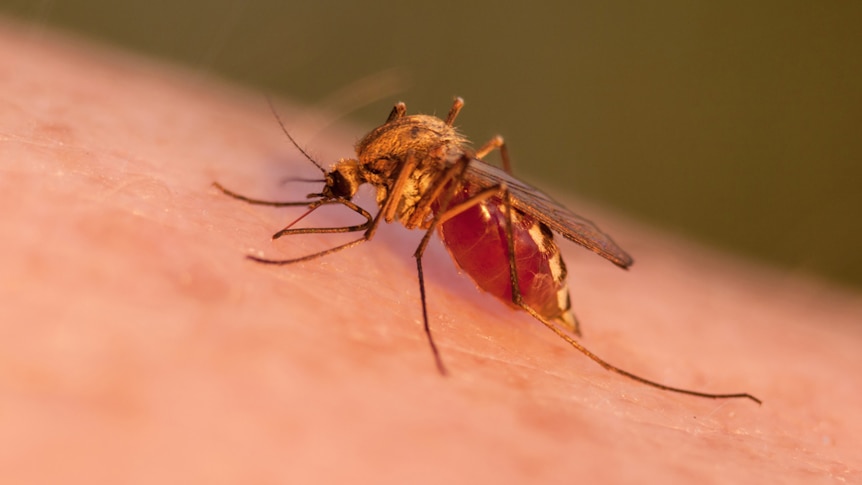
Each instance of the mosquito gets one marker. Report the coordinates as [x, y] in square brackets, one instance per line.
[497, 229]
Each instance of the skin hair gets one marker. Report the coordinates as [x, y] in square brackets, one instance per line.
[139, 344]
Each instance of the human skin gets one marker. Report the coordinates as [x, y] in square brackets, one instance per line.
[138, 344]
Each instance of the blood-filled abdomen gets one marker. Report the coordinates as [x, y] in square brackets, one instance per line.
[476, 239]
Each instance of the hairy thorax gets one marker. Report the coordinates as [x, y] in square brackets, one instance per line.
[426, 140]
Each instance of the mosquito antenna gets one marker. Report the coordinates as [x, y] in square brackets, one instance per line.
[280, 123]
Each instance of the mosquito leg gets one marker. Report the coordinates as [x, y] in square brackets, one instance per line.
[369, 228]
[390, 207]
[580, 348]
[421, 275]
[433, 193]
[518, 300]
[441, 216]
[397, 112]
[320, 230]
[310, 256]
[455, 172]
[287, 231]
[473, 200]
[495, 143]
[257, 201]
[457, 104]
[461, 165]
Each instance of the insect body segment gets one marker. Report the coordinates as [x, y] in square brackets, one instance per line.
[498, 229]
[477, 241]
[427, 148]
[407, 159]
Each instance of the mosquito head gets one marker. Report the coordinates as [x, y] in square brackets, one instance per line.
[343, 181]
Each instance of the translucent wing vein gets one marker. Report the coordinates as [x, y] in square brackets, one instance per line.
[538, 205]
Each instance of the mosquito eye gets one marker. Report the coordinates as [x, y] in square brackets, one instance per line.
[341, 186]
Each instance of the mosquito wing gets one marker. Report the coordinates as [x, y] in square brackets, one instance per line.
[538, 205]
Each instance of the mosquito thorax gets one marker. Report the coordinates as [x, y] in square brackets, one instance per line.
[428, 138]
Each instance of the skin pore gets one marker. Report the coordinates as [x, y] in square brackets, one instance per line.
[139, 343]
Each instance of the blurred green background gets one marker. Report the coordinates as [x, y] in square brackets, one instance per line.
[736, 123]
